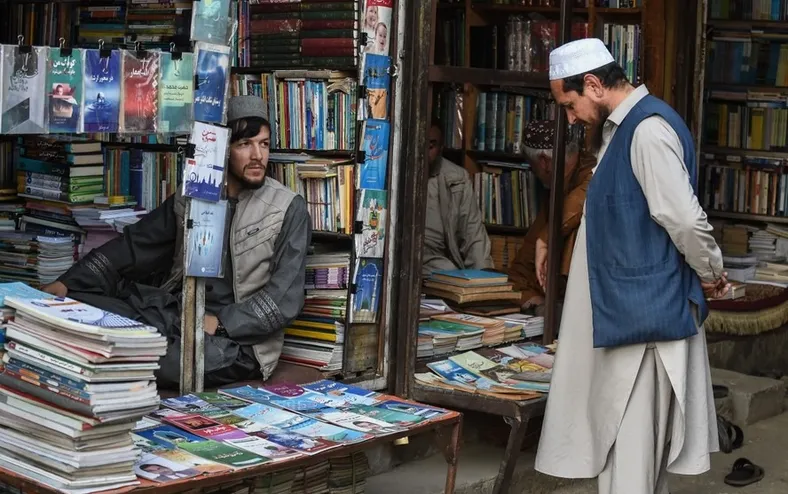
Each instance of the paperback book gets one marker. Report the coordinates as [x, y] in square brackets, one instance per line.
[371, 216]
[24, 89]
[375, 145]
[213, 62]
[211, 21]
[205, 253]
[102, 91]
[66, 89]
[377, 79]
[140, 91]
[204, 171]
[377, 25]
[368, 278]
[176, 92]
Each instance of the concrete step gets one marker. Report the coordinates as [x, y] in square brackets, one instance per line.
[752, 398]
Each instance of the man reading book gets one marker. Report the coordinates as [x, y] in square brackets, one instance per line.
[538, 138]
[455, 237]
[139, 275]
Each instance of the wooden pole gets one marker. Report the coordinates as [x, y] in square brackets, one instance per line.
[188, 312]
[555, 242]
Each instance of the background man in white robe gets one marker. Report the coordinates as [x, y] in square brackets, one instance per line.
[628, 414]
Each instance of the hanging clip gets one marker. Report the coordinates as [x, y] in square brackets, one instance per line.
[140, 52]
[190, 150]
[64, 52]
[392, 70]
[23, 48]
[174, 53]
[104, 52]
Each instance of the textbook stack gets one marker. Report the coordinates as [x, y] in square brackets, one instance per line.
[75, 382]
[472, 288]
[35, 259]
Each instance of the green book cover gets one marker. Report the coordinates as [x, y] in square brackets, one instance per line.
[65, 89]
[176, 93]
[223, 453]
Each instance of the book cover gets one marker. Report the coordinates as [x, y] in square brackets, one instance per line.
[453, 373]
[213, 62]
[412, 408]
[368, 278]
[24, 90]
[482, 367]
[221, 401]
[167, 436]
[20, 290]
[356, 422]
[189, 404]
[375, 145]
[223, 453]
[140, 91]
[347, 392]
[203, 173]
[205, 250]
[293, 441]
[102, 91]
[178, 456]
[247, 393]
[66, 89]
[153, 467]
[377, 79]
[377, 25]
[176, 93]
[211, 21]
[393, 417]
[371, 216]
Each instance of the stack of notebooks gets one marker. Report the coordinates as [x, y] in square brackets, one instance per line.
[519, 326]
[274, 483]
[75, 382]
[348, 474]
[516, 372]
[35, 259]
[474, 291]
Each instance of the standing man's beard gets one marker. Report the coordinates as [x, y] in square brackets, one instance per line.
[596, 129]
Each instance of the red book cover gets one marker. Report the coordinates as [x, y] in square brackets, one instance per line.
[140, 91]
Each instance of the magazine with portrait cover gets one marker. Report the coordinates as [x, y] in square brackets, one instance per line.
[203, 172]
[205, 249]
[377, 25]
[140, 108]
[102, 91]
[23, 83]
[176, 92]
[65, 87]
[212, 82]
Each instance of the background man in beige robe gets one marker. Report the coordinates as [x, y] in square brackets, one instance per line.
[629, 414]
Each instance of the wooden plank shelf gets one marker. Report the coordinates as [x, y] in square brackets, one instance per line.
[488, 77]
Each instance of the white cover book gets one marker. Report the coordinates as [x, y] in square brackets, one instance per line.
[23, 101]
[203, 174]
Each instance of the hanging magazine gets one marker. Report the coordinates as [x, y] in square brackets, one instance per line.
[211, 21]
[371, 215]
[377, 80]
[102, 91]
[375, 144]
[66, 89]
[24, 90]
[176, 92]
[205, 251]
[140, 91]
[377, 25]
[368, 279]
[204, 172]
[213, 62]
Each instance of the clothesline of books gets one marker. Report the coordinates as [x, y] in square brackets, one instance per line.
[516, 372]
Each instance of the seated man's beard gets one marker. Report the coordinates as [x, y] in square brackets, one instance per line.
[595, 140]
[246, 183]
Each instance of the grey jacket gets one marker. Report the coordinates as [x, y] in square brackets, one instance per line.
[456, 236]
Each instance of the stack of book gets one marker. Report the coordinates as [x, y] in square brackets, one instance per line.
[522, 326]
[75, 382]
[472, 287]
[503, 250]
[348, 474]
[493, 329]
[35, 259]
[274, 483]
[315, 342]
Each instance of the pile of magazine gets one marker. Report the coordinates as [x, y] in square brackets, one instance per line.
[75, 382]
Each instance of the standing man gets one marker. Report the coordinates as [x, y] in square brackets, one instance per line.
[538, 146]
[262, 290]
[455, 237]
[631, 395]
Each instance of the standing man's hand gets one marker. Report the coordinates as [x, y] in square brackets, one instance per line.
[56, 288]
[716, 289]
[540, 262]
[210, 323]
[534, 301]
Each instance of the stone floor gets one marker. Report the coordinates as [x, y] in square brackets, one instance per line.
[766, 444]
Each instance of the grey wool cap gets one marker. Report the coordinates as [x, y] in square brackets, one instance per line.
[245, 107]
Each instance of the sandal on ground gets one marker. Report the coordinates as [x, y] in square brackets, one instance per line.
[719, 391]
[744, 472]
[730, 435]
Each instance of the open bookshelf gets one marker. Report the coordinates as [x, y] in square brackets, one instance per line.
[743, 133]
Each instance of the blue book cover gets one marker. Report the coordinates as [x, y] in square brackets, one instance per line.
[375, 144]
[205, 254]
[453, 372]
[168, 436]
[248, 393]
[213, 62]
[377, 80]
[368, 279]
[102, 91]
[472, 274]
[203, 173]
[210, 21]
[347, 392]
[412, 408]
[176, 93]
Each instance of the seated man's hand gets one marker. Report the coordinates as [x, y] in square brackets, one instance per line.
[534, 301]
[540, 262]
[210, 323]
[717, 288]
[56, 288]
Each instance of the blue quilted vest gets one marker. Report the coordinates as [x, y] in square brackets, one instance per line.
[641, 286]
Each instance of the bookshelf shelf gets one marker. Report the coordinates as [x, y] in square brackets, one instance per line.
[488, 77]
[748, 217]
[745, 152]
[492, 155]
[747, 24]
[331, 236]
[505, 229]
[254, 70]
[719, 86]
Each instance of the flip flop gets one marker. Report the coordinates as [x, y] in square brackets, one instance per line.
[744, 472]
[719, 391]
[731, 436]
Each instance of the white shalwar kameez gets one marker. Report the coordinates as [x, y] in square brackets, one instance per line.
[627, 415]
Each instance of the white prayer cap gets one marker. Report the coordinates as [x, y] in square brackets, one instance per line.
[578, 57]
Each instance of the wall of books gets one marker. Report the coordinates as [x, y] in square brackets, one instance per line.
[325, 70]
